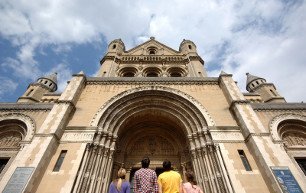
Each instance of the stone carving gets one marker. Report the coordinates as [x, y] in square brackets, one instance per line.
[274, 123]
[77, 136]
[200, 111]
[293, 139]
[10, 140]
[227, 136]
[152, 145]
[30, 124]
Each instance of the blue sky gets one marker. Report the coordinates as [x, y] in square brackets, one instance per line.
[263, 37]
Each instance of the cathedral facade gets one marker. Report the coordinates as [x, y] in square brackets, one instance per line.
[152, 101]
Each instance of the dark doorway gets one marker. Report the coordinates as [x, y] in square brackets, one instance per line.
[3, 162]
[302, 164]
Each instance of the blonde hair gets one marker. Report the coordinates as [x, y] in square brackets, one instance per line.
[121, 175]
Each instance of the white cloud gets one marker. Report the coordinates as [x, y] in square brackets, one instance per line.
[265, 38]
[7, 86]
[63, 74]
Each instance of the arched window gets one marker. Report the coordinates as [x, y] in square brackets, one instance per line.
[177, 72]
[128, 72]
[12, 132]
[152, 72]
[152, 50]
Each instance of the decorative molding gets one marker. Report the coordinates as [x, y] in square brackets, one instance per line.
[25, 106]
[278, 106]
[256, 135]
[227, 136]
[77, 136]
[152, 81]
[273, 125]
[28, 121]
[139, 90]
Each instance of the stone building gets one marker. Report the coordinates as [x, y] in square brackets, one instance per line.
[153, 101]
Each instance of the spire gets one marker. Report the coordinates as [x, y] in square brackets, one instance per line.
[223, 73]
[52, 77]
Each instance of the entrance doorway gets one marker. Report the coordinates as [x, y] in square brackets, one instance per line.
[158, 171]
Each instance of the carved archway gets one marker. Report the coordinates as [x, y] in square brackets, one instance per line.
[28, 123]
[276, 122]
[290, 131]
[153, 114]
[14, 130]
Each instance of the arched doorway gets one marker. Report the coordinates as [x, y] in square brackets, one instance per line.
[159, 122]
[155, 134]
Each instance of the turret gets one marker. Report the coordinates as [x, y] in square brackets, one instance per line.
[115, 49]
[188, 47]
[36, 90]
[267, 91]
[196, 63]
[116, 46]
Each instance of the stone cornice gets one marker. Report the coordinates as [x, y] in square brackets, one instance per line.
[162, 59]
[250, 94]
[278, 106]
[235, 102]
[25, 106]
[153, 81]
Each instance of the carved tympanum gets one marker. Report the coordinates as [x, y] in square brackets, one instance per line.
[10, 140]
[293, 139]
[152, 145]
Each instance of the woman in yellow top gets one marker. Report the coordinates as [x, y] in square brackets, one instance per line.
[169, 181]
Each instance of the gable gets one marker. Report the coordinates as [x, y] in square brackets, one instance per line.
[152, 46]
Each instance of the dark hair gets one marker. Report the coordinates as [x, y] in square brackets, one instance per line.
[145, 162]
[190, 177]
[167, 165]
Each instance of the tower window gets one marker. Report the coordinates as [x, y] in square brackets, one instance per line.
[152, 50]
[50, 84]
[189, 46]
[302, 163]
[257, 82]
[3, 162]
[244, 160]
[30, 92]
[272, 92]
[114, 46]
[59, 161]
[46, 82]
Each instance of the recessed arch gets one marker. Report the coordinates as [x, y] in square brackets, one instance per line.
[118, 101]
[24, 119]
[276, 121]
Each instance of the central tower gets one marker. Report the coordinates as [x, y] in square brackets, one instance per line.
[152, 59]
